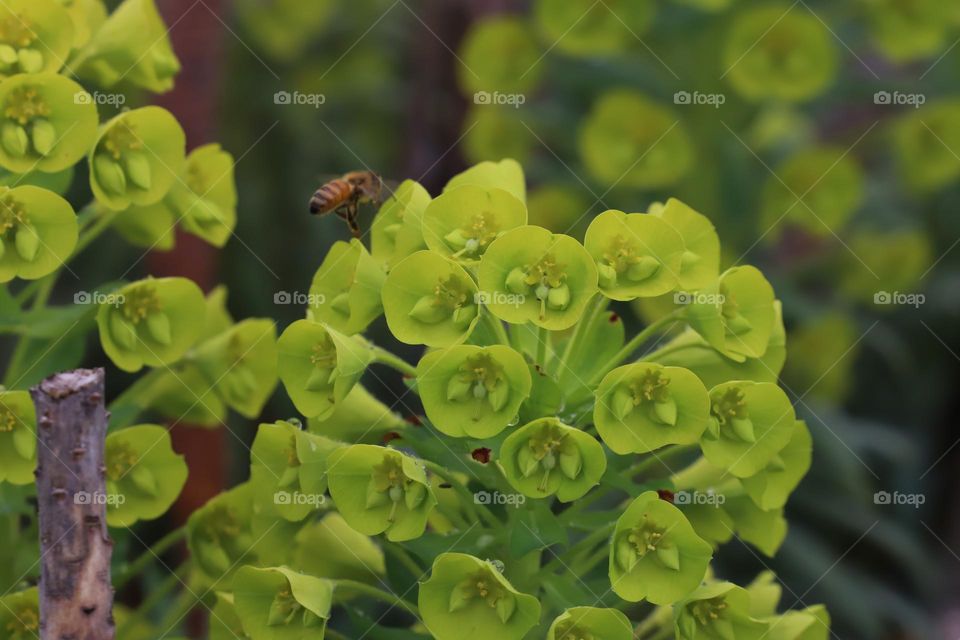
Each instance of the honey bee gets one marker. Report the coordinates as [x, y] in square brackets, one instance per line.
[344, 195]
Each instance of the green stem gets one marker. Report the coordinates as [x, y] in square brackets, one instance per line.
[635, 343]
[476, 510]
[494, 324]
[102, 222]
[152, 553]
[44, 289]
[586, 544]
[379, 594]
[583, 567]
[128, 406]
[400, 555]
[333, 634]
[157, 595]
[383, 356]
[659, 459]
[543, 339]
[595, 308]
[583, 503]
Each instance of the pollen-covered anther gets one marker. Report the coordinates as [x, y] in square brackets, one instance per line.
[623, 260]
[15, 227]
[451, 299]
[472, 240]
[121, 161]
[17, 52]
[651, 391]
[732, 419]
[26, 124]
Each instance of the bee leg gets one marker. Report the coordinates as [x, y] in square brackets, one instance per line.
[350, 215]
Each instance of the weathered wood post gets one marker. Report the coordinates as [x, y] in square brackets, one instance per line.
[76, 598]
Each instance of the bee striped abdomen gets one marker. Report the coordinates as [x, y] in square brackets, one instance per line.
[331, 196]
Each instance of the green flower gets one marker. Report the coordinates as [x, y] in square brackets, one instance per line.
[765, 530]
[20, 615]
[636, 254]
[277, 603]
[396, 229]
[771, 487]
[561, 208]
[379, 490]
[219, 533]
[288, 469]
[507, 174]
[224, 623]
[35, 37]
[532, 275]
[655, 553]
[469, 599]
[750, 423]
[132, 47]
[635, 143]
[923, 144]
[240, 364]
[781, 52]
[644, 406]
[471, 391]
[700, 261]
[18, 437]
[804, 195]
[347, 555]
[496, 131]
[547, 457]
[38, 231]
[319, 366]
[359, 418]
[461, 223]
[736, 314]
[909, 31]
[822, 355]
[154, 324]
[137, 158]
[431, 300]
[345, 292]
[585, 28]
[812, 623]
[591, 623]
[896, 260]
[499, 54]
[49, 122]
[718, 610]
[87, 16]
[143, 474]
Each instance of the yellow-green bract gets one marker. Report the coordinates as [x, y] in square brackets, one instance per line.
[18, 437]
[38, 232]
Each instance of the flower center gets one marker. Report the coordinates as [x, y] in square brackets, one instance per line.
[484, 586]
[25, 104]
[472, 240]
[451, 298]
[324, 353]
[139, 303]
[24, 624]
[644, 539]
[120, 459]
[121, 137]
[649, 390]
[546, 279]
[12, 214]
[705, 612]
[545, 452]
[389, 484]
[622, 260]
[480, 378]
[730, 416]
[570, 631]
[8, 421]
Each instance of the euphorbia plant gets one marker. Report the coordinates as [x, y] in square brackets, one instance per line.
[565, 480]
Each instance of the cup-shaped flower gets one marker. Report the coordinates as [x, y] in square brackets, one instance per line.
[241, 365]
[278, 603]
[471, 391]
[736, 314]
[48, 123]
[396, 231]
[496, 131]
[643, 406]
[20, 614]
[718, 610]
[151, 322]
[922, 141]
[546, 457]
[87, 16]
[461, 223]
[431, 300]
[469, 599]
[18, 437]
[347, 555]
[750, 423]
[288, 469]
[637, 255]
[143, 474]
[775, 53]
[582, 28]
[38, 231]
[345, 292]
[577, 623]
[506, 174]
[380, 490]
[655, 553]
[219, 533]
[360, 418]
[633, 142]
[812, 623]
[770, 487]
[765, 530]
[499, 54]
[700, 260]
[532, 275]
[35, 37]
[132, 47]
[319, 366]
[137, 158]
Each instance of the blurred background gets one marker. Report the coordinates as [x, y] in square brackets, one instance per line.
[822, 138]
